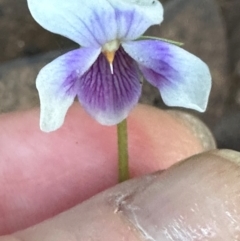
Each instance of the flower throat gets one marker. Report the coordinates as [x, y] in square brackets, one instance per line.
[109, 49]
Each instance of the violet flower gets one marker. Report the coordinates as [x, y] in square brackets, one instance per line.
[105, 72]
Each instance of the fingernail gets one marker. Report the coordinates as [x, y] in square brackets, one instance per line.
[198, 128]
[197, 199]
[230, 155]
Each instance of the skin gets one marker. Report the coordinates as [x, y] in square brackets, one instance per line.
[53, 176]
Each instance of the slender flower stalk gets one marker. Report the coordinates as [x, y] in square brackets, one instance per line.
[123, 167]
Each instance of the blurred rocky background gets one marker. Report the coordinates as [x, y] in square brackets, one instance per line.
[209, 28]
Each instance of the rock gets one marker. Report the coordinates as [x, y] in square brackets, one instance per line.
[17, 82]
[21, 36]
[230, 10]
[227, 131]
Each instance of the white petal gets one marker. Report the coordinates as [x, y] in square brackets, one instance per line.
[78, 20]
[134, 17]
[94, 23]
[57, 85]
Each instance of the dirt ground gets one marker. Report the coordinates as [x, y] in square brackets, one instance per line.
[209, 29]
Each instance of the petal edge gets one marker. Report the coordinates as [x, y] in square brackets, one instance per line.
[183, 79]
[57, 85]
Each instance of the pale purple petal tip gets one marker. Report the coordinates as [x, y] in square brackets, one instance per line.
[134, 17]
[182, 78]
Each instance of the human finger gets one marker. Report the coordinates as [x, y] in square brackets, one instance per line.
[44, 174]
[197, 199]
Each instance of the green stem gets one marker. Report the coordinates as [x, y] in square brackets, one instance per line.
[123, 170]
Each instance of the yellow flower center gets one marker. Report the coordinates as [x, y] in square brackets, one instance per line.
[109, 49]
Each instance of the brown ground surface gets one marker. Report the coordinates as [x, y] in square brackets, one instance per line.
[209, 29]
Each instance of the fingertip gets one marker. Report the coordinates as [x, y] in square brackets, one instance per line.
[79, 160]
[166, 137]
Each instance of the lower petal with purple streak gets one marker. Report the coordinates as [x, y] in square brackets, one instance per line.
[183, 79]
[57, 85]
[110, 97]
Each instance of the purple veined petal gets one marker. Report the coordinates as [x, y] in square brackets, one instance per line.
[134, 17]
[109, 97]
[57, 85]
[94, 23]
[183, 79]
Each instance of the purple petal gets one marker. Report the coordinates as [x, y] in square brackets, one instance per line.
[91, 23]
[134, 17]
[182, 78]
[57, 85]
[110, 97]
